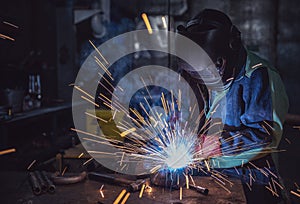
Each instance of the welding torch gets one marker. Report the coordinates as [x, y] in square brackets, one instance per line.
[132, 186]
[199, 189]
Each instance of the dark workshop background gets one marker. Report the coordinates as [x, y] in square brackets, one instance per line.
[52, 41]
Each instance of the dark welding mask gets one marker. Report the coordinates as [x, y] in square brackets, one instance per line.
[214, 32]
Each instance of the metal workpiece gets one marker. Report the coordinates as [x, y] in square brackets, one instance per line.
[50, 186]
[168, 179]
[68, 178]
[41, 181]
[35, 185]
[60, 161]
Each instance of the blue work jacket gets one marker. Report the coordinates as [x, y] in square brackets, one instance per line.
[253, 112]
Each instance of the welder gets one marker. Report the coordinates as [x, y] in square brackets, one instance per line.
[255, 103]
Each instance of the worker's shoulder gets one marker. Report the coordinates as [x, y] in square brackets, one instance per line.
[255, 62]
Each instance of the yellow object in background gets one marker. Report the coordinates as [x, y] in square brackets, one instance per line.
[105, 121]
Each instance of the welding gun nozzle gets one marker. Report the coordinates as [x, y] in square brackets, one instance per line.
[200, 189]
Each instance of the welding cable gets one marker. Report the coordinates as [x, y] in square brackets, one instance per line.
[69, 179]
[50, 185]
[36, 188]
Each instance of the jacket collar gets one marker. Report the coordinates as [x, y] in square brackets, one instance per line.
[254, 62]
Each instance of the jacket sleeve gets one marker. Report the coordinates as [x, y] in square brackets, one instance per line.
[256, 116]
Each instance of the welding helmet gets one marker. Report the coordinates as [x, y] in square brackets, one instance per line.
[214, 32]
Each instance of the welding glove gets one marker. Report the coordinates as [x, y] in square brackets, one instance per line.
[210, 146]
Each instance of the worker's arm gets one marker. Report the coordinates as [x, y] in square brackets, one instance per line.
[256, 118]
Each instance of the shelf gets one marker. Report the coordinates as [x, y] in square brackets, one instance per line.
[36, 113]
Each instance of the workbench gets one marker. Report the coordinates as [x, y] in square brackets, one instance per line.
[15, 188]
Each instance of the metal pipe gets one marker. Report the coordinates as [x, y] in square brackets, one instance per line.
[69, 179]
[41, 181]
[36, 188]
[50, 185]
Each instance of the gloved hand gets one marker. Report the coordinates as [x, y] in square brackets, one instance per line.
[209, 146]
